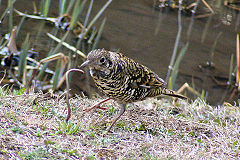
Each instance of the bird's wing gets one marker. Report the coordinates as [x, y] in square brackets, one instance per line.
[151, 80]
[143, 77]
[139, 75]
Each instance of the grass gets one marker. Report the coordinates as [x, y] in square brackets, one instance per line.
[33, 127]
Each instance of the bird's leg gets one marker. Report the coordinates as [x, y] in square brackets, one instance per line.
[97, 105]
[123, 109]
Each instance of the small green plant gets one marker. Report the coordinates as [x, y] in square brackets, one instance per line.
[12, 116]
[40, 133]
[91, 134]
[146, 154]
[92, 157]
[120, 124]
[2, 131]
[68, 128]
[43, 108]
[199, 140]
[111, 111]
[193, 133]
[36, 153]
[17, 129]
[4, 90]
[236, 145]
[19, 92]
[71, 152]
[171, 132]
[141, 127]
[24, 122]
[48, 142]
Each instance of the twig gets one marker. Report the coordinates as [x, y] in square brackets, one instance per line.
[67, 45]
[186, 86]
[54, 20]
[205, 3]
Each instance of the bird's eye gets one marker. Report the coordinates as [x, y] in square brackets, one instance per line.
[102, 60]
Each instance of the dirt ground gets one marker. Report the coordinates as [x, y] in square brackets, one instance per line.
[33, 127]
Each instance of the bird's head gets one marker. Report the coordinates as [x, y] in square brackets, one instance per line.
[98, 59]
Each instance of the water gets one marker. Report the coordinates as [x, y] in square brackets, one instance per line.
[148, 36]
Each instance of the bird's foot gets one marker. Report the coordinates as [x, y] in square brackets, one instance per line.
[97, 105]
[103, 108]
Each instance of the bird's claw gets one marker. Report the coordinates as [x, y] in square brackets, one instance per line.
[96, 106]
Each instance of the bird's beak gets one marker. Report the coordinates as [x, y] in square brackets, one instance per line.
[85, 64]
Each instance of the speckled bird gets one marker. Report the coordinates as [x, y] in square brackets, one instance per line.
[124, 80]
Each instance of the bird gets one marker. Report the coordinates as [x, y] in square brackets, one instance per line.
[124, 80]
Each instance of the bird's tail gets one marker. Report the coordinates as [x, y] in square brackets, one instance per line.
[169, 92]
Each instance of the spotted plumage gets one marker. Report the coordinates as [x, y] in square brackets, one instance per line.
[124, 80]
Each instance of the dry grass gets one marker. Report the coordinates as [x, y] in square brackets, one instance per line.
[32, 127]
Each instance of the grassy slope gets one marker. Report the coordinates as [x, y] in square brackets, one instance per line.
[32, 127]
